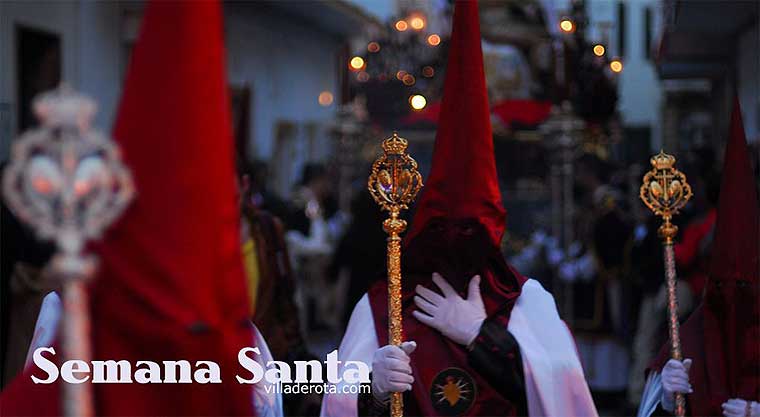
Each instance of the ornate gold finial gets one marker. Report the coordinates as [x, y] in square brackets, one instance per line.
[394, 183]
[662, 161]
[665, 191]
[395, 145]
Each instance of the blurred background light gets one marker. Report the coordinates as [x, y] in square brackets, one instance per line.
[616, 65]
[417, 101]
[325, 98]
[417, 22]
[567, 25]
[434, 40]
[356, 63]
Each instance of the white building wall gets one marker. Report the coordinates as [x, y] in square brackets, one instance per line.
[101, 58]
[90, 52]
[285, 62]
[639, 90]
[287, 65]
[59, 18]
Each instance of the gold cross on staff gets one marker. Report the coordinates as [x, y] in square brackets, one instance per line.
[665, 191]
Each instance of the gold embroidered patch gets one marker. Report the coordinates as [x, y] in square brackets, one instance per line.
[452, 392]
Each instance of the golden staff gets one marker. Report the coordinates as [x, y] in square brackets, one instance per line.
[394, 183]
[665, 191]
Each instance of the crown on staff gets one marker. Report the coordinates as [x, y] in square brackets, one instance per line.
[663, 161]
[64, 106]
[395, 145]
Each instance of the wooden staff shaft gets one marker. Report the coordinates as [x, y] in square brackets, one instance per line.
[673, 327]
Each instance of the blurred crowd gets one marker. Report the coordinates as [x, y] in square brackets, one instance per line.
[612, 274]
[308, 262]
[609, 282]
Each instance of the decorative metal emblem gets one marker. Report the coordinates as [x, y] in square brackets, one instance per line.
[68, 183]
[452, 392]
[665, 191]
[394, 183]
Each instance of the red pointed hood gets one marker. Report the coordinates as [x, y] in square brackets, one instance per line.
[170, 284]
[463, 182]
[736, 246]
[731, 325]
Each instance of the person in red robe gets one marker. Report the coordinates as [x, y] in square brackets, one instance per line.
[170, 284]
[482, 340]
[720, 374]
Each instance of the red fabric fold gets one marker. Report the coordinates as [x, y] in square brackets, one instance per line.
[171, 282]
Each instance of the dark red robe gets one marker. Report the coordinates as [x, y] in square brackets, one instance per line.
[457, 250]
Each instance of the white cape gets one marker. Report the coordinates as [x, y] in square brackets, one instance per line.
[554, 381]
[267, 400]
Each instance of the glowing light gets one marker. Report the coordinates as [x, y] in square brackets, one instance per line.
[400, 74]
[408, 79]
[373, 47]
[434, 40]
[616, 65]
[567, 25]
[599, 49]
[401, 26]
[356, 63]
[417, 101]
[417, 22]
[325, 98]
[363, 77]
[428, 71]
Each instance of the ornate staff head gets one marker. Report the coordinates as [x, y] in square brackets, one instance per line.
[394, 181]
[65, 179]
[665, 191]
